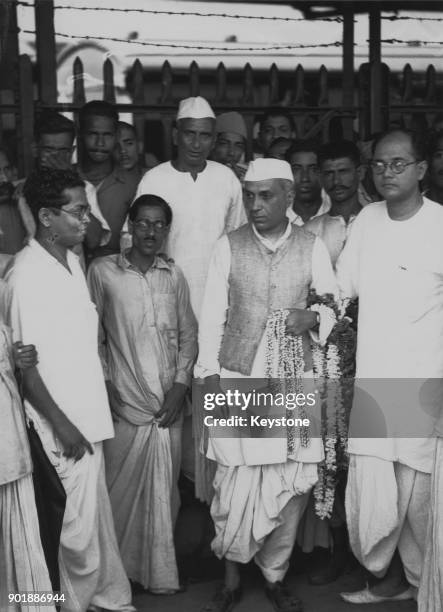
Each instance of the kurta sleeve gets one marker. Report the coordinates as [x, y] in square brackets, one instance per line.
[323, 277]
[236, 213]
[323, 281]
[96, 290]
[348, 263]
[214, 310]
[187, 330]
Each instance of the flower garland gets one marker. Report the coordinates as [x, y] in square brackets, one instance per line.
[285, 367]
[333, 366]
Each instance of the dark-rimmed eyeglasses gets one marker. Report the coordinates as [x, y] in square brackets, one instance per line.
[397, 166]
[145, 226]
[80, 213]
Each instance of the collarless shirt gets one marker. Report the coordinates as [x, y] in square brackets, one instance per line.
[50, 307]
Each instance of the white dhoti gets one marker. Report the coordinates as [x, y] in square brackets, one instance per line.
[256, 511]
[91, 571]
[142, 468]
[430, 593]
[22, 563]
[387, 505]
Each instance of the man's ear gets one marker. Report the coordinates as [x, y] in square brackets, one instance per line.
[422, 168]
[34, 149]
[130, 227]
[43, 216]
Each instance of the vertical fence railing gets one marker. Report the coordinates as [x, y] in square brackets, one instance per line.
[307, 100]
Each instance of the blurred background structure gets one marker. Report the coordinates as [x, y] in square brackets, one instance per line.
[340, 68]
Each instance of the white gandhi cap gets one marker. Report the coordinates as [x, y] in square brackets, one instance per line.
[195, 108]
[265, 169]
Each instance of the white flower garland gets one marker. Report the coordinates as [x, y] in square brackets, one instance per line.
[328, 374]
[285, 367]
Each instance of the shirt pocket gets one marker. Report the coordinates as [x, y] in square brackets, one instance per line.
[166, 311]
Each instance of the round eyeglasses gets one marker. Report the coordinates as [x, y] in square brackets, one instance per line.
[397, 166]
[145, 225]
[79, 213]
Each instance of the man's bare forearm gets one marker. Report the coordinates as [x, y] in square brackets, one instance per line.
[37, 394]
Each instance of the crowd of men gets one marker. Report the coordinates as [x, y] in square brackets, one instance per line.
[123, 286]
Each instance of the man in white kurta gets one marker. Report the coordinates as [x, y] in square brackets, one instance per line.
[205, 196]
[50, 307]
[393, 262]
[261, 488]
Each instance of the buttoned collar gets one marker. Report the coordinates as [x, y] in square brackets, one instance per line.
[125, 264]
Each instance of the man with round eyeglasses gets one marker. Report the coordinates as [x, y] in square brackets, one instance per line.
[393, 262]
[148, 347]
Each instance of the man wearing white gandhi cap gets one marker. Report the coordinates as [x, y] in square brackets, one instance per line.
[205, 196]
[261, 484]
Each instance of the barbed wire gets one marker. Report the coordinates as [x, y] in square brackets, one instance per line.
[418, 43]
[409, 18]
[180, 13]
[147, 43]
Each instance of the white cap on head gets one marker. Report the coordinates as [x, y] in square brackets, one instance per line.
[264, 169]
[195, 108]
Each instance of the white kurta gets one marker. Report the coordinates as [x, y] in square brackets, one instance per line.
[203, 210]
[51, 309]
[396, 270]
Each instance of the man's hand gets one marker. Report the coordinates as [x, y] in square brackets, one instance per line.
[212, 386]
[74, 443]
[24, 355]
[115, 401]
[172, 406]
[56, 160]
[299, 321]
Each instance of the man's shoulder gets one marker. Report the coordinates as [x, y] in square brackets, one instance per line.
[23, 268]
[104, 263]
[434, 209]
[218, 168]
[371, 213]
[315, 224]
[240, 232]
[161, 170]
[302, 232]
